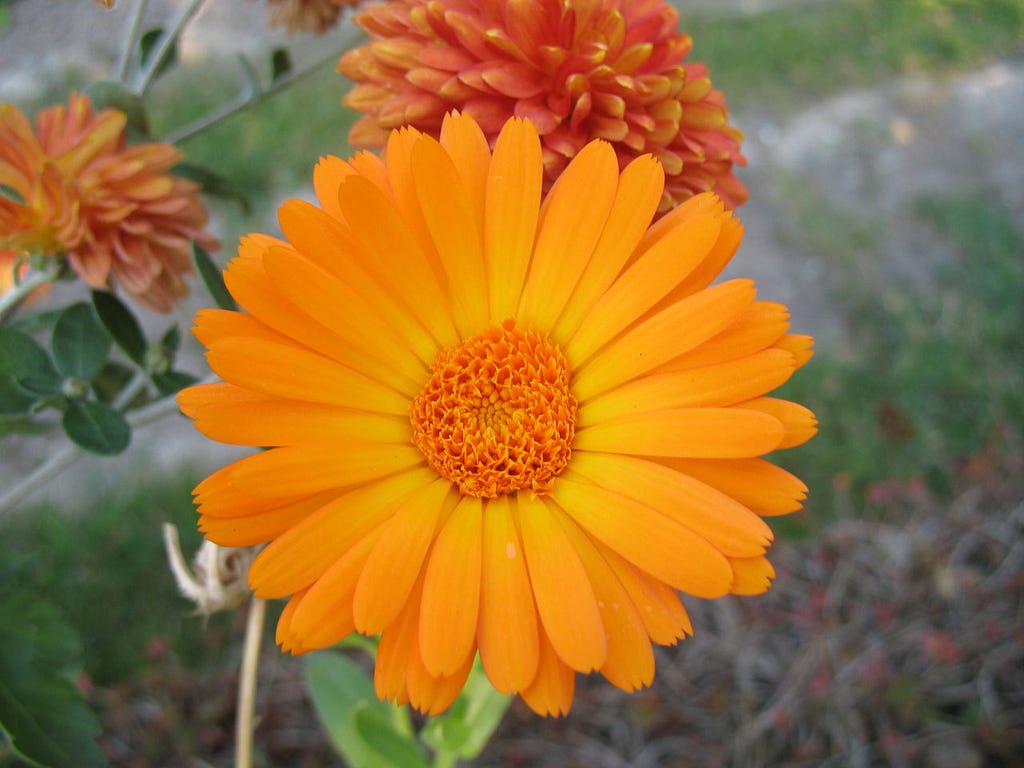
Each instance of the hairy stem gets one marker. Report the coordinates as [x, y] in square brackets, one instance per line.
[245, 724]
[131, 39]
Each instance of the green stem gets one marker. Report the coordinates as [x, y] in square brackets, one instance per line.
[22, 288]
[251, 97]
[166, 45]
[245, 724]
[130, 41]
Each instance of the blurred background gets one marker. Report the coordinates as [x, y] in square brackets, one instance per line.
[885, 141]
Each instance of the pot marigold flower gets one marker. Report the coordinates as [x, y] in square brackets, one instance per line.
[579, 69]
[496, 424]
[112, 209]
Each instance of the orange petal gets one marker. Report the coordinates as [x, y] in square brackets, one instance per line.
[800, 423]
[572, 218]
[565, 598]
[751, 575]
[283, 634]
[732, 528]
[714, 385]
[507, 632]
[724, 433]
[510, 218]
[397, 558]
[645, 537]
[466, 145]
[660, 338]
[551, 691]
[261, 527]
[451, 591]
[757, 327]
[757, 484]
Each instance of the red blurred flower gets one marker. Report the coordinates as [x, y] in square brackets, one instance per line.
[112, 209]
[578, 69]
[306, 15]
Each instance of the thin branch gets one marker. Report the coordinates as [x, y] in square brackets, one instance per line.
[245, 724]
[22, 288]
[131, 40]
[167, 42]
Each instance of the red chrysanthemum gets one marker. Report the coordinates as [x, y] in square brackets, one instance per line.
[113, 209]
[578, 69]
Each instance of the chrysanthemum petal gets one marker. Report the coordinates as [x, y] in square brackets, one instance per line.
[629, 664]
[721, 433]
[636, 199]
[800, 423]
[510, 218]
[300, 556]
[565, 598]
[507, 632]
[759, 485]
[451, 590]
[396, 559]
[751, 575]
[732, 528]
[292, 372]
[659, 339]
[571, 220]
[448, 213]
[645, 537]
[722, 384]
[551, 691]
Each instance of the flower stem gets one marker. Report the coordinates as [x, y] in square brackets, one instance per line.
[245, 724]
[249, 98]
[22, 288]
[130, 41]
[166, 46]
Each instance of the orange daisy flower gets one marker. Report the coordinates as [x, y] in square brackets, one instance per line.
[315, 16]
[496, 424]
[579, 69]
[112, 209]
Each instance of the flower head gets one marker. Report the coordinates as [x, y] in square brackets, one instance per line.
[112, 209]
[579, 69]
[496, 424]
[315, 16]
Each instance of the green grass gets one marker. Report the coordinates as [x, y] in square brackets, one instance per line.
[784, 57]
[935, 378]
[105, 567]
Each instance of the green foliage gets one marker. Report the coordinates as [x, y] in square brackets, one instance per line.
[42, 713]
[96, 427]
[107, 93]
[463, 731]
[369, 733]
[121, 324]
[26, 373]
[80, 342]
[212, 278]
[783, 56]
[103, 565]
[936, 377]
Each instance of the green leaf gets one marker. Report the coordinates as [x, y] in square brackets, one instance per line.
[148, 44]
[25, 366]
[42, 714]
[110, 94]
[171, 340]
[341, 691]
[280, 64]
[96, 427]
[80, 342]
[173, 381]
[214, 184]
[464, 730]
[37, 322]
[111, 380]
[121, 325]
[213, 279]
[13, 399]
[11, 194]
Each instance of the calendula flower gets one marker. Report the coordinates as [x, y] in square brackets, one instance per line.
[316, 16]
[579, 69]
[111, 209]
[496, 424]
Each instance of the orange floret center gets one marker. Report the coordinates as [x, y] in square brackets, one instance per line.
[496, 415]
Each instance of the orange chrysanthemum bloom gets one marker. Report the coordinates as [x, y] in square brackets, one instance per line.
[496, 424]
[579, 69]
[111, 208]
[315, 16]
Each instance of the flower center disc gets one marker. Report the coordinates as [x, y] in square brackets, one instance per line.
[496, 415]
